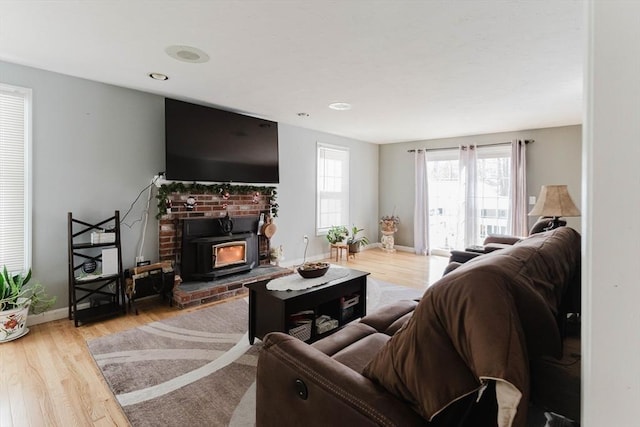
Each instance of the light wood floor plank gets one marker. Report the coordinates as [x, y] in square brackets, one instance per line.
[48, 377]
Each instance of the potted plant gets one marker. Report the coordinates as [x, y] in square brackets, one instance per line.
[337, 234]
[355, 242]
[17, 299]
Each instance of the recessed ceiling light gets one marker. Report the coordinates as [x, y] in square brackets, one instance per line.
[187, 54]
[158, 76]
[341, 106]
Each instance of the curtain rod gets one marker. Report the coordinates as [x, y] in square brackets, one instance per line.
[413, 150]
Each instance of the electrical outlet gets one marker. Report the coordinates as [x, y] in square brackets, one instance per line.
[305, 238]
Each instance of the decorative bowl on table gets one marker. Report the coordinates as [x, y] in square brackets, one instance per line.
[310, 270]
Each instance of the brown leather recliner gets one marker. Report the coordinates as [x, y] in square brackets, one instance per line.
[495, 242]
[322, 384]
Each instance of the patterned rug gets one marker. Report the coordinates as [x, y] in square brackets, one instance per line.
[196, 369]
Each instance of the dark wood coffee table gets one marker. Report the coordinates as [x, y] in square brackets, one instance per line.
[270, 311]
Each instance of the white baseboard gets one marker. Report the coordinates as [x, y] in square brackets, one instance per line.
[404, 248]
[51, 315]
[48, 316]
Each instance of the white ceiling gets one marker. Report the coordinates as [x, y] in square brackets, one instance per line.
[412, 70]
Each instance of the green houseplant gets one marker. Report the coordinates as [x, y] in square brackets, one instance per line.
[18, 297]
[355, 242]
[337, 233]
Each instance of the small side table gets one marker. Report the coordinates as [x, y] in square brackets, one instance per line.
[339, 247]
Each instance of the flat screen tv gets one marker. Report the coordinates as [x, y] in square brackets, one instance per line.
[207, 144]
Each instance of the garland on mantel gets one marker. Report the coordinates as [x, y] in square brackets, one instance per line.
[220, 189]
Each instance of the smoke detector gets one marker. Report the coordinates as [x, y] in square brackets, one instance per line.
[187, 54]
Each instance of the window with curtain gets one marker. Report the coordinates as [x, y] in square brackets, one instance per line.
[332, 204]
[492, 201]
[493, 191]
[443, 176]
[15, 173]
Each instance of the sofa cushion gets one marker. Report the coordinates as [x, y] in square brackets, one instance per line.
[357, 355]
[395, 326]
[346, 336]
[481, 322]
[385, 319]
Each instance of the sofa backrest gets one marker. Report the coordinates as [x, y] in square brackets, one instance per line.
[484, 320]
[550, 259]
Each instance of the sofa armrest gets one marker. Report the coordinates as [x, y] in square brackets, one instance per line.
[297, 385]
[502, 239]
[463, 256]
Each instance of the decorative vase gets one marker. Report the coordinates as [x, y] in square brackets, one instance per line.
[387, 241]
[388, 227]
[13, 323]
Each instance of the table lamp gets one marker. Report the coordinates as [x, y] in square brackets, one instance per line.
[554, 202]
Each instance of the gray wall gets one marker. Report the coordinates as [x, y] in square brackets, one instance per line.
[97, 146]
[297, 191]
[554, 158]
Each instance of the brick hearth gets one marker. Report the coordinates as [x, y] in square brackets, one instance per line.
[195, 293]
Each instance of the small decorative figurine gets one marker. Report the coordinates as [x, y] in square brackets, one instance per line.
[190, 204]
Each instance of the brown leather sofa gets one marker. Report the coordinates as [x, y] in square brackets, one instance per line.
[458, 357]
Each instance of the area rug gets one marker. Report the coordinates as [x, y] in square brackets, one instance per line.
[196, 369]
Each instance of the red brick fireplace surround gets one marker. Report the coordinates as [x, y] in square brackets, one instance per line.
[212, 206]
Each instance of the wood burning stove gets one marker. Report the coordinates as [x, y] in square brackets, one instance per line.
[229, 253]
[209, 252]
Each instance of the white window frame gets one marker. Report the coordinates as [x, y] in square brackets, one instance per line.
[494, 152]
[440, 155]
[24, 205]
[341, 195]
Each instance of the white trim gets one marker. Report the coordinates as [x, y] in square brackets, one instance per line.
[26, 94]
[344, 192]
[51, 315]
[28, 177]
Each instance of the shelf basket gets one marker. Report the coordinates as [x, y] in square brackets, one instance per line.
[302, 332]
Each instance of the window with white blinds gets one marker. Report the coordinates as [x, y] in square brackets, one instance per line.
[15, 182]
[332, 205]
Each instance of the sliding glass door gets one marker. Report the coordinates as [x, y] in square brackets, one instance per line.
[443, 175]
[493, 180]
[448, 210]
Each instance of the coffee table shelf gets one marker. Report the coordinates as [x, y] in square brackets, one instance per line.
[270, 311]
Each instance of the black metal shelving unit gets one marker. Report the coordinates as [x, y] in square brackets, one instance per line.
[100, 295]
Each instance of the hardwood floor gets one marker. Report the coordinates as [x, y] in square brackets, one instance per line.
[48, 377]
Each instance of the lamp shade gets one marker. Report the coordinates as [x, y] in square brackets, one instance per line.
[554, 201]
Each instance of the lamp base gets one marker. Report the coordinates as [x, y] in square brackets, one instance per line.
[555, 222]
